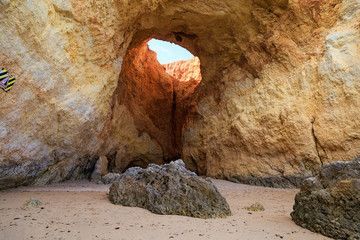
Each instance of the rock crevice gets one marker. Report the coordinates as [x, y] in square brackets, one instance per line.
[317, 143]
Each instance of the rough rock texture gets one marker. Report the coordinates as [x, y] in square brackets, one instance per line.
[278, 96]
[185, 71]
[330, 202]
[289, 105]
[186, 77]
[110, 178]
[169, 189]
[66, 57]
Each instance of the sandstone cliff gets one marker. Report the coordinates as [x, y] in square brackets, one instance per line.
[278, 96]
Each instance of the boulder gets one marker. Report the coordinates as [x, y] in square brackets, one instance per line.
[330, 202]
[169, 189]
[110, 178]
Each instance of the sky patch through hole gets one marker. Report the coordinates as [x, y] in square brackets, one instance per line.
[168, 52]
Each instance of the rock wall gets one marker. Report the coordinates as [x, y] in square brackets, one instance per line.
[66, 75]
[290, 104]
[278, 97]
[186, 79]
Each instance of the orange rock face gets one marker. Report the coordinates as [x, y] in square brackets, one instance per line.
[156, 101]
[187, 76]
[185, 71]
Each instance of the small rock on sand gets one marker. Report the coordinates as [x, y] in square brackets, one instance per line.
[33, 203]
[256, 207]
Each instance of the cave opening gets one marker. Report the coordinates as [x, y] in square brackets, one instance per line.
[155, 100]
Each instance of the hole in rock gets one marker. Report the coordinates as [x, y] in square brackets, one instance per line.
[168, 52]
[150, 106]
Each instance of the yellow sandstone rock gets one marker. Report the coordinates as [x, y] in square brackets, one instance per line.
[279, 95]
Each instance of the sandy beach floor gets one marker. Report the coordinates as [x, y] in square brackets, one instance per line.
[81, 210]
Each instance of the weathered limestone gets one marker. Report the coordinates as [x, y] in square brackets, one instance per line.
[278, 97]
[66, 56]
[290, 105]
[169, 189]
[330, 202]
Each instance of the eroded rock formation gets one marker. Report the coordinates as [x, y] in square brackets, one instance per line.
[278, 98]
[148, 110]
[288, 105]
[169, 189]
[141, 113]
[185, 72]
[330, 202]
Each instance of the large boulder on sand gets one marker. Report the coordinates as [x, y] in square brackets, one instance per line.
[169, 189]
[330, 202]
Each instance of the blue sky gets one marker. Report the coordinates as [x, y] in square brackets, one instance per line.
[168, 52]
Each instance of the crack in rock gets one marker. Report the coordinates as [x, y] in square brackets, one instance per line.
[317, 143]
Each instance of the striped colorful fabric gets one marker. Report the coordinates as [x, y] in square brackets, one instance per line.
[6, 80]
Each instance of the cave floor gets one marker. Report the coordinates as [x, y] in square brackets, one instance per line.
[81, 210]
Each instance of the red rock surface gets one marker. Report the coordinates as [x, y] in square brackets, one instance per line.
[184, 71]
[187, 76]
